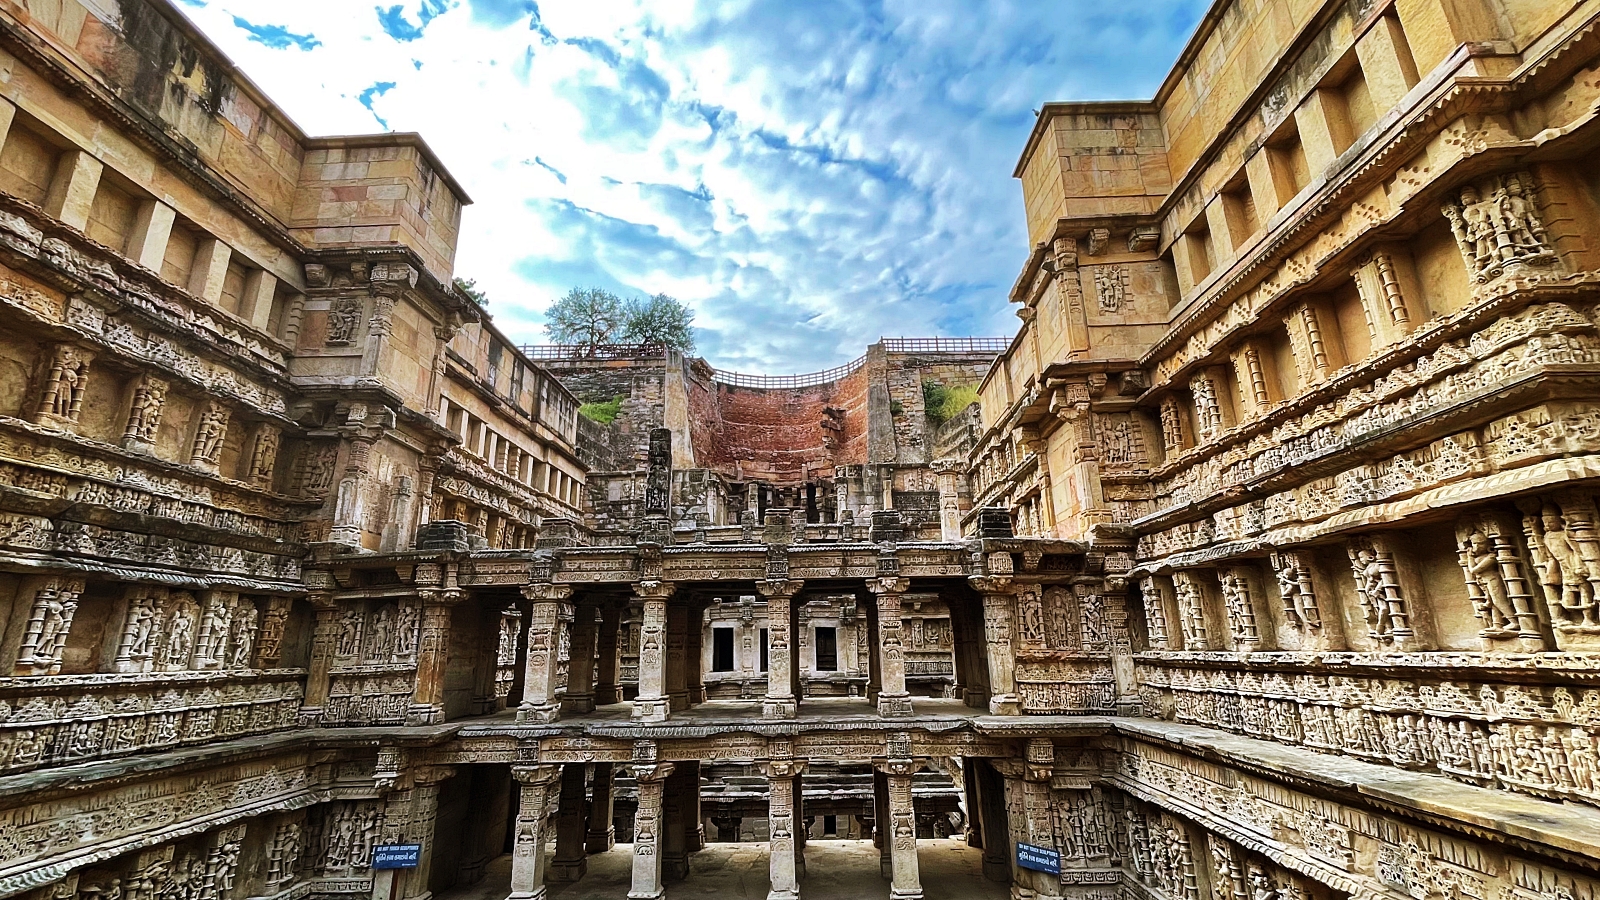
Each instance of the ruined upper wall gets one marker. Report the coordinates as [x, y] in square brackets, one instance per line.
[165, 108]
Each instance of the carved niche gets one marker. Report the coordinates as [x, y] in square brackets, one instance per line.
[63, 381]
[55, 603]
[1498, 228]
[1565, 548]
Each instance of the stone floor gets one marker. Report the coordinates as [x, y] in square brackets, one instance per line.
[835, 870]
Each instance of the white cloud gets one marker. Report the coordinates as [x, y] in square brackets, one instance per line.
[808, 176]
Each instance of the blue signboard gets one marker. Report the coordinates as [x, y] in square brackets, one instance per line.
[1039, 859]
[396, 856]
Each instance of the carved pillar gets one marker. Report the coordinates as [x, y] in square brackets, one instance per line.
[527, 851]
[647, 829]
[905, 880]
[1191, 610]
[652, 704]
[1239, 595]
[263, 455]
[677, 655]
[606, 688]
[997, 593]
[602, 833]
[144, 414]
[433, 647]
[55, 602]
[141, 625]
[781, 780]
[209, 435]
[570, 863]
[324, 646]
[63, 382]
[579, 696]
[949, 471]
[547, 615]
[893, 698]
[346, 528]
[880, 821]
[780, 702]
[1379, 592]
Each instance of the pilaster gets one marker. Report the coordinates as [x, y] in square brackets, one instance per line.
[893, 698]
[547, 615]
[780, 702]
[652, 704]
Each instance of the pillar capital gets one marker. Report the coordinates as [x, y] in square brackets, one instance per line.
[654, 590]
[992, 584]
[779, 588]
[782, 768]
[888, 585]
[546, 591]
[535, 775]
[905, 767]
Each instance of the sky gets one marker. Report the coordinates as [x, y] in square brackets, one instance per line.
[806, 175]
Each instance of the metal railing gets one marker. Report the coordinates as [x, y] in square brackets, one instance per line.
[946, 345]
[809, 379]
[986, 345]
[592, 351]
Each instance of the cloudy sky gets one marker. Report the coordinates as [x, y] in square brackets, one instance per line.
[808, 175]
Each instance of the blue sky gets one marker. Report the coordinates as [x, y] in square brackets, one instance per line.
[808, 175]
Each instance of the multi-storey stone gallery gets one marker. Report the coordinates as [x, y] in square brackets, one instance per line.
[1266, 566]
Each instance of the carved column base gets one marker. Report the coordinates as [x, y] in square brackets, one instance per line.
[895, 706]
[783, 895]
[651, 711]
[996, 869]
[1005, 705]
[656, 894]
[577, 704]
[345, 534]
[309, 717]
[568, 869]
[420, 714]
[540, 714]
[605, 695]
[600, 841]
[537, 893]
[1129, 706]
[137, 446]
[779, 708]
[898, 894]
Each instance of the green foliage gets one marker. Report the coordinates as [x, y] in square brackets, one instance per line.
[469, 286]
[896, 408]
[604, 413]
[660, 321]
[945, 403]
[586, 316]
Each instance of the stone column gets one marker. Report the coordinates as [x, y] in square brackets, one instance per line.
[948, 471]
[677, 655]
[694, 667]
[606, 689]
[527, 853]
[694, 837]
[427, 701]
[579, 697]
[602, 834]
[674, 832]
[997, 601]
[647, 828]
[905, 881]
[801, 835]
[782, 778]
[652, 704]
[570, 863]
[780, 702]
[324, 642]
[880, 820]
[893, 698]
[548, 610]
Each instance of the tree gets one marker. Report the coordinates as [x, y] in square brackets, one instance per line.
[587, 316]
[660, 321]
[469, 286]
